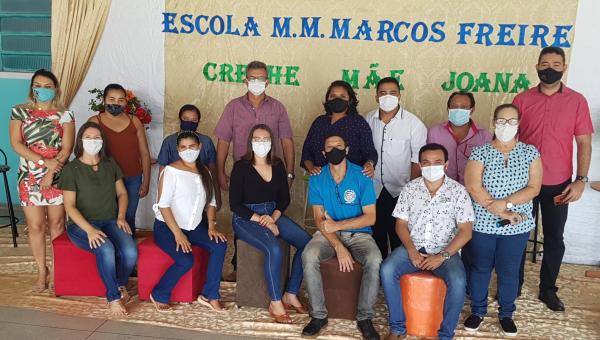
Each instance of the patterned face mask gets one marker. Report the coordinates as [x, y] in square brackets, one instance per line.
[43, 94]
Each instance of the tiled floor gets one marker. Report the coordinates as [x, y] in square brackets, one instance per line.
[25, 324]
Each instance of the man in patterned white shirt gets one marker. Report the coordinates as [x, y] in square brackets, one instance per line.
[434, 219]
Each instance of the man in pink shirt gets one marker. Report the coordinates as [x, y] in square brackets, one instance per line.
[459, 135]
[552, 115]
[243, 113]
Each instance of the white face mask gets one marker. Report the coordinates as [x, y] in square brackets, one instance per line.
[505, 133]
[261, 149]
[388, 102]
[433, 173]
[256, 87]
[189, 155]
[92, 146]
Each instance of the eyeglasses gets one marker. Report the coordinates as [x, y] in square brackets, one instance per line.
[503, 121]
[349, 193]
[257, 78]
[259, 140]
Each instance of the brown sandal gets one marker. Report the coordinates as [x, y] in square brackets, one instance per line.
[162, 307]
[281, 318]
[302, 309]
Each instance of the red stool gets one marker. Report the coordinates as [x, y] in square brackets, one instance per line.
[423, 296]
[153, 263]
[75, 271]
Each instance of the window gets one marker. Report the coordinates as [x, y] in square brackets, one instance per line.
[25, 35]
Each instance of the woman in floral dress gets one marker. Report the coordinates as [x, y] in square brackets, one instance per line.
[42, 134]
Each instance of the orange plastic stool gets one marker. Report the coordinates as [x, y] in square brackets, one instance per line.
[423, 297]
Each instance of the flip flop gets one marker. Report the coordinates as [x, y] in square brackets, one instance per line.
[204, 302]
[158, 308]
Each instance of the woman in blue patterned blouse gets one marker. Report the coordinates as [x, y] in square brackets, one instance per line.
[502, 177]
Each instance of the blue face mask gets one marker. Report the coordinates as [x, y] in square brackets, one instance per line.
[459, 117]
[43, 94]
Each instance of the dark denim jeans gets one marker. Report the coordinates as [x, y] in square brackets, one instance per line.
[263, 239]
[115, 258]
[502, 253]
[132, 184]
[164, 238]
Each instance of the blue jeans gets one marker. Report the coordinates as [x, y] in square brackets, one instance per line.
[451, 271]
[502, 252]
[132, 185]
[264, 240]
[115, 258]
[164, 238]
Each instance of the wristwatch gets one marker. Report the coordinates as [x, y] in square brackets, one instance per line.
[40, 162]
[445, 255]
[291, 175]
[584, 179]
[509, 205]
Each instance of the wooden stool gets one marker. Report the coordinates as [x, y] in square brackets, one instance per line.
[423, 296]
[341, 289]
[251, 288]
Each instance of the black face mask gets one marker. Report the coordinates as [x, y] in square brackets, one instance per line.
[336, 105]
[114, 109]
[335, 156]
[186, 125]
[549, 75]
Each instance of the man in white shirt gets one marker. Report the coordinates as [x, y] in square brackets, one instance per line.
[398, 135]
[434, 220]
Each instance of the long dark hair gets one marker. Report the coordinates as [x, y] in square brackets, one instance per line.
[249, 156]
[48, 74]
[352, 105]
[205, 175]
[79, 140]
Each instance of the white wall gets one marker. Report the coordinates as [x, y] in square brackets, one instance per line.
[131, 52]
[582, 234]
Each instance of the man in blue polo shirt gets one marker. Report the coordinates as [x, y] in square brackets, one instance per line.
[343, 202]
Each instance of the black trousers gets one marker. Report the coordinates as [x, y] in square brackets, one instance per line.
[385, 224]
[554, 218]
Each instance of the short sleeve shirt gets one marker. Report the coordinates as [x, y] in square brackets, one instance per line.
[96, 196]
[501, 181]
[397, 143]
[239, 117]
[550, 123]
[344, 200]
[433, 221]
[169, 154]
[458, 151]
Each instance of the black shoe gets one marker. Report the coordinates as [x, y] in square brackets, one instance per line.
[314, 327]
[473, 323]
[367, 330]
[552, 301]
[508, 327]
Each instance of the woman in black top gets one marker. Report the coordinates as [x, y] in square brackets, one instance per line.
[258, 196]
